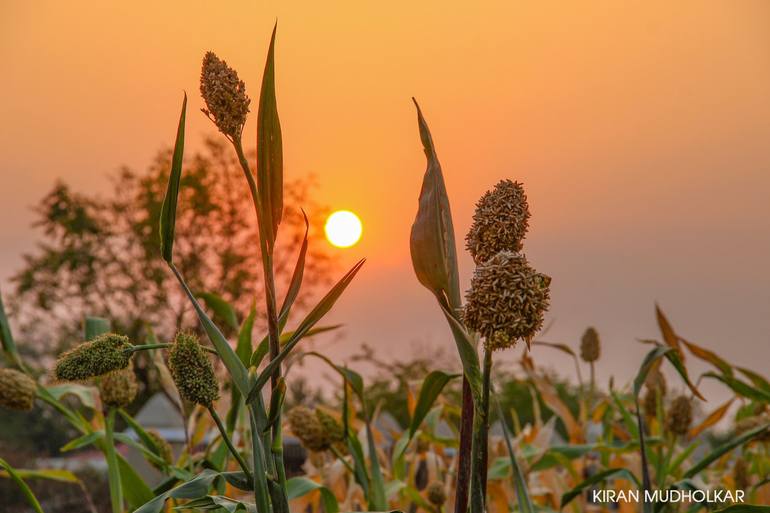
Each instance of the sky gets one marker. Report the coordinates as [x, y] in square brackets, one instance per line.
[640, 129]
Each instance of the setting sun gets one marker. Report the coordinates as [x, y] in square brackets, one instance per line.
[343, 229]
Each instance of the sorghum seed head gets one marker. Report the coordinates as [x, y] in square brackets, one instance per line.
[436, 493]
[101, 355]
[500, 222]
[308, 428]
[118, 388]
[164, 449]
[741, 476]
[192, 370]
[332, 429]
[589, 345]
[650, 403]
[679, 415]
[656, 381]
[17, 390]
[507, 300]
[225, 95]
[748, 423]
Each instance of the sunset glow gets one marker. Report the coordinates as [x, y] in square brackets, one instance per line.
[343, 229]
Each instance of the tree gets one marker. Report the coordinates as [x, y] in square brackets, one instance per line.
[100, 255]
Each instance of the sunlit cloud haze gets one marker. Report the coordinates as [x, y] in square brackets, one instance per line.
[641, 131]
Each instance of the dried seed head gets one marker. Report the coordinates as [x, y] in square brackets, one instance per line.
[308, 428]
[656, 381]
[118, 388]
[748, 423]
[589, 345]
[500, 222]
[436, 493]
[225, 95]
[192, 371]
[507, 300]
[423, 445]
[679, 415]
[17, 390]
[741, 474]
[164, 449]
[650, 403]
[101, 355]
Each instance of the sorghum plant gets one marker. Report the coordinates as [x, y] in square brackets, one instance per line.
[227, 105]
[506, 302]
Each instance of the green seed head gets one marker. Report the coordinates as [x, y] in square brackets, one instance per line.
[436, 493]
[118, 388]
[17, 390]
[192, 370]
[332, 429]
[507, 300]
[164, 449]
[308, 428]
[225, 96]
[103, 354]
[589, 345]
[679, 415]
[500, 222]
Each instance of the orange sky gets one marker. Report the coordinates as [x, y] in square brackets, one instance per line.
[640, 129]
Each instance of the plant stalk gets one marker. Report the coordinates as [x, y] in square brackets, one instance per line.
[481, 442]
[273, 330]
[462, 485]
[113, 472]
[226, 438]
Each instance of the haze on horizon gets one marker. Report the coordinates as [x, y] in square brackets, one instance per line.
[641, 132]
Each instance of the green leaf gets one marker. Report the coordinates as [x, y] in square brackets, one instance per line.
[298, 486]
[25, 490]
[84, 393]
[676, 361]
[237, 370]
[647, 364]
[468, 355]
[82, 441]
[63, 476]
[6, 339]
[597, 478]
[432, 386]
[243, 349]
[168, 211]
[432, 241]
[269, 150]
[215, 502]
[113, 471]
[723, 449]
[195, 488]
[315, 315]
[134, 488]
[220, 307]
[740, 387]
[264, 346]
[296, 277]
[519, 480]
[758, 381]
[95, 326]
